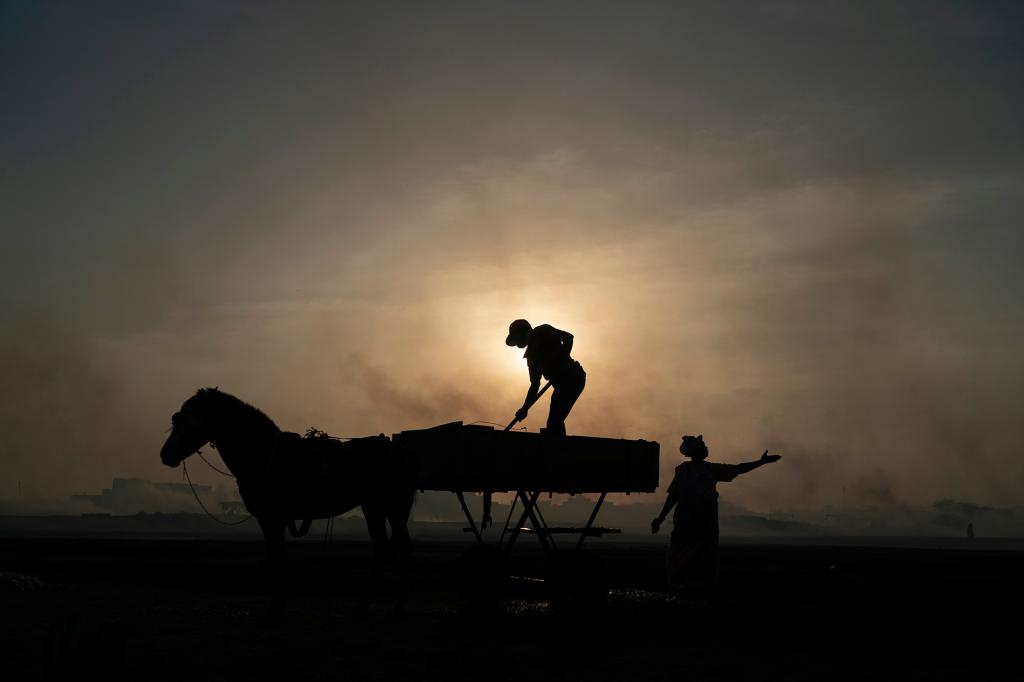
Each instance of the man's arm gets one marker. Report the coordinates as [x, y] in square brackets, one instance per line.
[750, 466]
[562, 337]
[531, 393]
[566, 341]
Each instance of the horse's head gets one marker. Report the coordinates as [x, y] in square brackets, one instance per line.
[190, 428]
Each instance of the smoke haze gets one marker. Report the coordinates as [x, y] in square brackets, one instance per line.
[790, 226]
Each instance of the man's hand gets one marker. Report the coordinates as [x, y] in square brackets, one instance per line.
[521, 413]
[768, 459]
[656, 524]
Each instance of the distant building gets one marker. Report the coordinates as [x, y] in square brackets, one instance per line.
[134, 495]
[233, 507]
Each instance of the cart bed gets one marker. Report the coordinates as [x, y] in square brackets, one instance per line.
[460, 457]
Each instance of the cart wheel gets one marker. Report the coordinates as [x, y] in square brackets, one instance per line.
[483, 578]
[579, 588]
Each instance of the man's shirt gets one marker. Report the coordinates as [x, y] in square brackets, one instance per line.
[547, 354]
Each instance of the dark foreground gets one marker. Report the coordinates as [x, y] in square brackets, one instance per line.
[192, 610]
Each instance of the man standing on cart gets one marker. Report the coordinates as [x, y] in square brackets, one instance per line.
[547, 356]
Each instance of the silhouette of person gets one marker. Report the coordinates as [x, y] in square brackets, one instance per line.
[547, 355]
[693, 548]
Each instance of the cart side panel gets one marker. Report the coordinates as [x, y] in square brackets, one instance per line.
[472, 458]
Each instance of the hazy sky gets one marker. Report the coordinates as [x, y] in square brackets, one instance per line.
[790, 225]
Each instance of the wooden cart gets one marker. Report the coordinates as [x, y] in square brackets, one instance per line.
[465, 458]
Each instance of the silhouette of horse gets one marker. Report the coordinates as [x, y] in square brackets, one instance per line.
[283, 477]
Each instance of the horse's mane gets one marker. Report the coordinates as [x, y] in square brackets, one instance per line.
[234, 409]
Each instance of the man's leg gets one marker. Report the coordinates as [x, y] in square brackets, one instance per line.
[563, 398]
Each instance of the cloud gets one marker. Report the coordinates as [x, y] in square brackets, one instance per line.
[65, 422]
[792, 226]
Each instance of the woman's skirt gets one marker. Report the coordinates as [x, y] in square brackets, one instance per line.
[692, 562]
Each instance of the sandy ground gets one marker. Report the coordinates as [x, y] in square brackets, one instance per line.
[138, 609]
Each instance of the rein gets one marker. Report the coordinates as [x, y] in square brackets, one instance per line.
[184, 471]
[297, 531]
[219, 471]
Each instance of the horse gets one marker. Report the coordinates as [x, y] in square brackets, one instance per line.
[283, 477]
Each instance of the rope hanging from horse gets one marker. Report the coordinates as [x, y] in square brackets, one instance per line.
[184, 471]
[219, 471]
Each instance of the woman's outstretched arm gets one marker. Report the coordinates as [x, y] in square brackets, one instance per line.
[750, 466]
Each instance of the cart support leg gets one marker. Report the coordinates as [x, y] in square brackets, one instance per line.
[590, 521]
[528, 502]
[469, 517]
[531, 512]
[541, 524]
[511, 510]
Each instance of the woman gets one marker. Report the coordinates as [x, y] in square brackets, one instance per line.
[693, 549]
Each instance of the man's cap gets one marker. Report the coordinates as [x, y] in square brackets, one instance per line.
[516, 330]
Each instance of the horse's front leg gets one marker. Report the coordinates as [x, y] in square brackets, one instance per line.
[379, 537]
[402, 544]
[273, 534]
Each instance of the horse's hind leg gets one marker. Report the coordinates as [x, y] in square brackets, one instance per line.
[402, 543]
[273, 534]
[381, 553]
